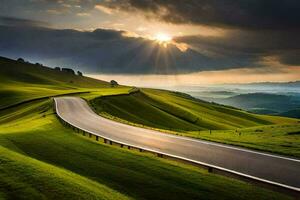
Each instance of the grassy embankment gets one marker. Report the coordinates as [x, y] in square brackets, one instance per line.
[41, 159]
[183, 115]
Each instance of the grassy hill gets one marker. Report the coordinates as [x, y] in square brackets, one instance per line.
[21, 81]
[23, 177]
[177, 111]
[42, 159]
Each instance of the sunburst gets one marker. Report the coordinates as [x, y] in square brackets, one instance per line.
[163, 39]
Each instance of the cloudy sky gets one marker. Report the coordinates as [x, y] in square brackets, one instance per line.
[158, 41]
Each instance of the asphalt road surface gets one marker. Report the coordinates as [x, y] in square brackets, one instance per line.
[277, 169]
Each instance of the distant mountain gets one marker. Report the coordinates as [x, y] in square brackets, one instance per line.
[210, 95]
[273, 84]
[291, 113]
[262, 102]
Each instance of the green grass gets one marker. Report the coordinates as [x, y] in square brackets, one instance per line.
[281, 139]
[23, 177]
[40, 158]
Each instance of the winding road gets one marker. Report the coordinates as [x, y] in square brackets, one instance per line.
[278, 170]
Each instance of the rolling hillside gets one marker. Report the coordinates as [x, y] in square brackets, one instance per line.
[42, 159]
[168, 111]
[21, 81]
[178, 112]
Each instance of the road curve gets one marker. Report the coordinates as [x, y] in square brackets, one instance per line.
[262, 166]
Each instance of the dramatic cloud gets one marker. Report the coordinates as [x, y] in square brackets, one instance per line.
[246, 34]
[101, 51]
[109, 51]
[252, 45]
[11, 21]
[251, 14]
[254, 29]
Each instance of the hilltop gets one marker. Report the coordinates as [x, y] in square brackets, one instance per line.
[29, 73]
[21, 81]
[174, 111]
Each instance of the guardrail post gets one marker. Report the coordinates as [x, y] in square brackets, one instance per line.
[83, 133]
[141, 150]
[122, 145]
[105, 140]
[128, 147]
[110, 142]
[90, 135]
[210, 169]
[97, 138]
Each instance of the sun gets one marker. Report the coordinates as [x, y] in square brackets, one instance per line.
[163, 39]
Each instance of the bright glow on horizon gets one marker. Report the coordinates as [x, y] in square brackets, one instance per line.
[244, 75]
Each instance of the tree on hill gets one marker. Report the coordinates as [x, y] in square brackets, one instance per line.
[68, 70]
[21, 60]
[38, 64]
[113, 83]
[79, 73]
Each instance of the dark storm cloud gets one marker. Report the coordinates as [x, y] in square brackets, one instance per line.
[107, 51]
[12, 21]
[250, 14]
[250, 45]
[241, 14]
[45, 9]
[255, 28]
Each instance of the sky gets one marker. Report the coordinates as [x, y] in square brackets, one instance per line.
[158, 42]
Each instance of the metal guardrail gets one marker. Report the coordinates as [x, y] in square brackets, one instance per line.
[290, 190]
